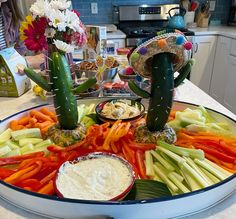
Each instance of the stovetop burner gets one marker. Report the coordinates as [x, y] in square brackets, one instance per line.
[141, 31]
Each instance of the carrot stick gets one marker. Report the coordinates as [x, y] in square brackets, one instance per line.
[47, 112]
[44, 124]
[40, 116]
[48, 189]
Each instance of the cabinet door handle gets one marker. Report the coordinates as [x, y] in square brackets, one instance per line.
[196, 48]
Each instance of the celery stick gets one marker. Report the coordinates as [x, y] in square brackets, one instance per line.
[198, 170]
[215, 171]
[4, 150]
[149, 163]
[210, 175]
[164, 162]
[227, 173]
[160, 171]
[190, 181]
[178, 176]
[169, 160]
[194, 153]
[174, 156]
[178, 183]
[157, 178]
[27, 149]
[195, 175]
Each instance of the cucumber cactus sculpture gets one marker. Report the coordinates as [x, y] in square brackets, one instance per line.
[62, 88]
[158, 59]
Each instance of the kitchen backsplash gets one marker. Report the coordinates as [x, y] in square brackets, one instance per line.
[105, 8]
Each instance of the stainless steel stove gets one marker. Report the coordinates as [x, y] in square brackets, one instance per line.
[140, 22]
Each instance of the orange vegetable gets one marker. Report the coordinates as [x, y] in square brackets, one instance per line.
[13, 125]
[24, 120]
[48, 189]
[47, 112]
[40, 116]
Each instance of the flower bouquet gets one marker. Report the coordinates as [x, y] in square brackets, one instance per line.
[55, 28]
[52, 22]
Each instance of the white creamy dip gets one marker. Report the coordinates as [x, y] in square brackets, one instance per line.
[99, 178]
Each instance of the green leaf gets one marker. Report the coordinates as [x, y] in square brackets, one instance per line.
[147, 189]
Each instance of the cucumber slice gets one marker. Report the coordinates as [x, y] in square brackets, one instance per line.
[4, 150]
[25, 141]
[26, 133]
[13, 145]
[14, 152]
[6, 135]
[27, 149]
[44, 143]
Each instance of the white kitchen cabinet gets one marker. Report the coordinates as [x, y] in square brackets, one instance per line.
[204, 53]
[223, 79]
[220, 70]
[229, 100]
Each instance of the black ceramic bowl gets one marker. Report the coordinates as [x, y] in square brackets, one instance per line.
[129, 102]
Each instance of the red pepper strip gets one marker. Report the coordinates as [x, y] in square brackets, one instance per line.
[48, 189]
[4, 172]
[75, 146]
[140, 164]
[54, 148]
[220, 163]
[15, 176]
[49, 177]
[19, 158]
[29, 162]
[227, 148]
[33, 184]
[129, 151]
[217, 154]
[114, 147]
[141, 146]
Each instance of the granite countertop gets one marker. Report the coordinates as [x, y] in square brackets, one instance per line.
[215, 30]
[187, 92]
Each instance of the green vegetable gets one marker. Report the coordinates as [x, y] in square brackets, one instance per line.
[84, 86]
[147, 189]
[137, 90]
[26, 133]
[37, 79]
[25, 141]
[184, 72]
[5, 135]
[4, 150]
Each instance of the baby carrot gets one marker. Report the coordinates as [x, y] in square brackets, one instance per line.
[47, 112]
[13, 125]
[24, 120]
[40, 116]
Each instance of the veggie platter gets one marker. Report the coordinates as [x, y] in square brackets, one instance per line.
[62, 161]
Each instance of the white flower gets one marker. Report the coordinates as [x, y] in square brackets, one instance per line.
[73, 21]
[50, 32]
[60, 4]
[39, 8]
[57, 19]
[64, 47]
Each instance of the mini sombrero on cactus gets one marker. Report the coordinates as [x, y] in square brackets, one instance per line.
[158, 59]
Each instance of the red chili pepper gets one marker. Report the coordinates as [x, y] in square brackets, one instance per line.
[140, 164]
[217, 154]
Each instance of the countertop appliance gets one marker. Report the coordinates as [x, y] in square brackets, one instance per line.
[232, 14]
[139, 22]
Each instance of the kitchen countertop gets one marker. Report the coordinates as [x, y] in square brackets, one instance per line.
[226, 31]
[187, 92]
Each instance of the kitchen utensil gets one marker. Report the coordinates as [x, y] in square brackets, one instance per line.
[194, 6]
[176, 21]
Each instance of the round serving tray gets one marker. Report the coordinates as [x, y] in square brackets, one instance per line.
[169, 207]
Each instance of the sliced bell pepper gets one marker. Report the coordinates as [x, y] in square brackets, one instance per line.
[48, 189]
[140, 164]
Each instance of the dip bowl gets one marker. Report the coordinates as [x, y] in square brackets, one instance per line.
[129, 102]
[98, 176]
